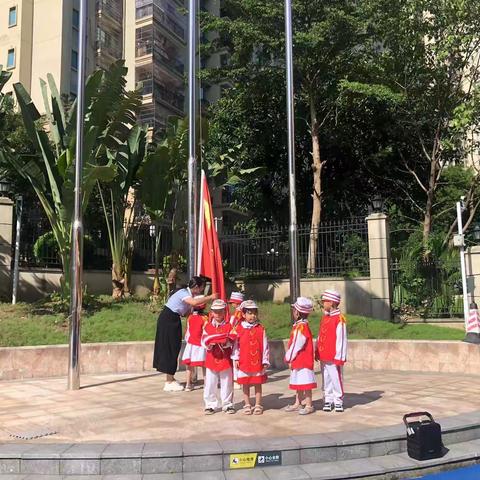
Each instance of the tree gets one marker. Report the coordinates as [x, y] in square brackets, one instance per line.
[427, 53]
[51, 173]
[326, 34]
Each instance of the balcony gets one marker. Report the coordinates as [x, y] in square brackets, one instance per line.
[159, 15]
[173, 65]
[159, 92]
[110, 8]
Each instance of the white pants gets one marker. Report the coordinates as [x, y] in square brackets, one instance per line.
[212, 378]
[332, 383]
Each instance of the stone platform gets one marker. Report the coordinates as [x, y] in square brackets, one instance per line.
[126, 424]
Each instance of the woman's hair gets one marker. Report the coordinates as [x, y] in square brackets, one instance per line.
[197, 282]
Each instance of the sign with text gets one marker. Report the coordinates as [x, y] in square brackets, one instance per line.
[255, 459]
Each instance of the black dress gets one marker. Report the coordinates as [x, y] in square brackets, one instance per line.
[168, 342]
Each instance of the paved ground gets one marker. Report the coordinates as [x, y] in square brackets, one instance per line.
[118, 408]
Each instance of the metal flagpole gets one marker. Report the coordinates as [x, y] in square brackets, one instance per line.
[293, 234]
[200, 227]
[192, 160]
[77, 226]
[19, 208]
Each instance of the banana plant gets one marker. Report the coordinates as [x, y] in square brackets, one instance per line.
[118, 202]
[109, 112]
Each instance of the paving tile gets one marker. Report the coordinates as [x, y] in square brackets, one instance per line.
[286, 473]
[217, 475]
[163, 476]
[162, 449]
[243, 474]
[46, 451]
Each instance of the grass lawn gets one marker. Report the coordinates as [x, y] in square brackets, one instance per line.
[108, 321]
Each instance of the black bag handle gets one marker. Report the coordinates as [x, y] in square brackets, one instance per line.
[416, 414]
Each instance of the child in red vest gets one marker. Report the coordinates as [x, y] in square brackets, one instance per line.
[194, 354]
[236, 300]
[300, 358]
[251, 356]
[332, 350]
[218, 339]
[236, 316]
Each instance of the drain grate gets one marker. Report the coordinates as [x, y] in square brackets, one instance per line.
[31, 434]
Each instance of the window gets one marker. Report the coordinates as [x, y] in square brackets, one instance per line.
[11, 58]
[74, 60]
[12, 16]
[75, 19]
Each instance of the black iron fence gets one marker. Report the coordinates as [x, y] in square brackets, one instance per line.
[337, 248]
[38, 247]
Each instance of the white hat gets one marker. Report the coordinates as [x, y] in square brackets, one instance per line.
[236, 297]
[218, 304]
[249, 305]
[303, 305]
[331, 295]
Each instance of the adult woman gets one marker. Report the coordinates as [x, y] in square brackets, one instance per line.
[168, 339]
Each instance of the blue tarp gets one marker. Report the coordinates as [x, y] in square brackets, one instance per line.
[467, 473]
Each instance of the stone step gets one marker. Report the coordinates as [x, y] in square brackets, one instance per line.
[387, 467]
[160, 458]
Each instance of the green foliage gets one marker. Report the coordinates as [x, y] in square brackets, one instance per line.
[46, 251]
[105, 320]
[109, 110]
[427, 285]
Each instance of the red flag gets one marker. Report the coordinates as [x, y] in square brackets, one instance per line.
[209, 256]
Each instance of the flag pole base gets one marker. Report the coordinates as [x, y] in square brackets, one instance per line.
[472, 338]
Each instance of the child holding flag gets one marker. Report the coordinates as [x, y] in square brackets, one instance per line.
[218, 339]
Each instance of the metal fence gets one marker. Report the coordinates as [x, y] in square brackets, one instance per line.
[38, 247]
[427, 289]
[341, 250]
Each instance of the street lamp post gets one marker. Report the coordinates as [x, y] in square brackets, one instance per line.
[19, 208]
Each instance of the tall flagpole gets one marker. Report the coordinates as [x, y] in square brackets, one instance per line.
[192, 160]
[293, 233]
[76, 294]
[200, 226]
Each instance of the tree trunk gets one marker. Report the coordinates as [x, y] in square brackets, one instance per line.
[118, 282]
[156, 280]
[427, 220]
[317, 191]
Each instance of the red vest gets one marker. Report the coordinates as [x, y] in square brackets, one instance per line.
[327, 337]
[250, 341]
[218, 357]
[304, 358]
[195, 328]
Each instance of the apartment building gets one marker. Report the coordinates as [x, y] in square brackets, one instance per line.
[39, 37]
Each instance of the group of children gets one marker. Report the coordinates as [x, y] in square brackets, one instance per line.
[235, 350]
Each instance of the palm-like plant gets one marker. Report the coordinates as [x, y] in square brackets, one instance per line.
[109, 114]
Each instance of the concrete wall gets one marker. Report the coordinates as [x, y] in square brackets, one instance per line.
[6, 214]
[355, 292]
[472, 265]
[131, 357]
